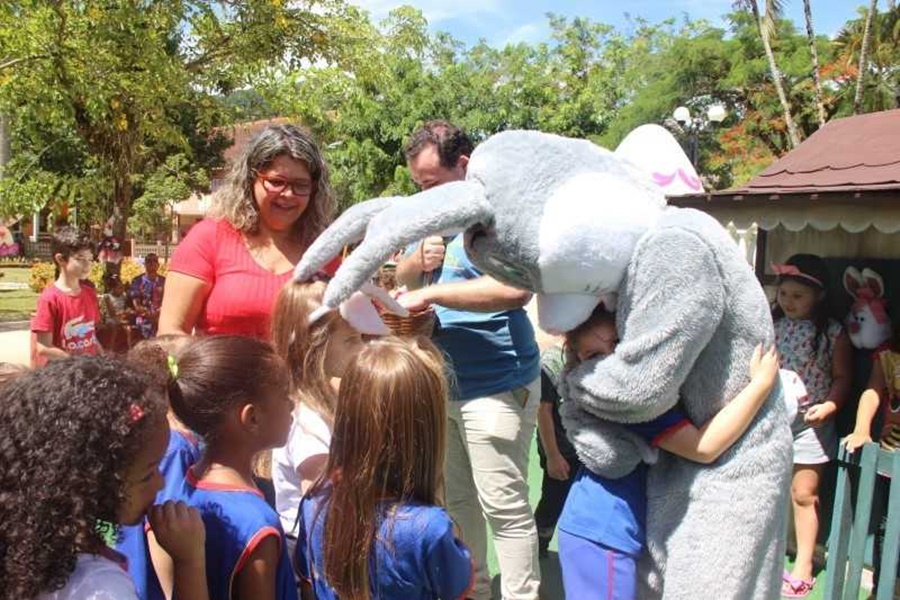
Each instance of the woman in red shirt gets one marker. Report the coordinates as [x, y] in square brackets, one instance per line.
[225, 275]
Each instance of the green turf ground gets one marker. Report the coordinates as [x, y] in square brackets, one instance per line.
[16, 305]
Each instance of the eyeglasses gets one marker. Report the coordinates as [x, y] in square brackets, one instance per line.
[277, 185]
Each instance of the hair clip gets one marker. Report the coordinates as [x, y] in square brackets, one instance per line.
[135, 413]
[172, 365]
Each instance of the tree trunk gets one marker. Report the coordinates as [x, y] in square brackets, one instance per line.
[810, 33]
[793, 135]
[122, 199]
[864, 57]
[5, 151]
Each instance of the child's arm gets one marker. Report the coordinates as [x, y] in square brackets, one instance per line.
[310, 470]
[706, 444]
[557, 466]
[45, 347]
[256, 581]
[179, 529]
[841, 375]
[868, 406]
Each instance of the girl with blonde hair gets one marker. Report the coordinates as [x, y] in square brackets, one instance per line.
[373, 526]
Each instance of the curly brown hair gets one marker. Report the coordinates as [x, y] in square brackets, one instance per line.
[70, 431]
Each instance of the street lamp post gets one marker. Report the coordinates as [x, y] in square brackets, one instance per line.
[716, 113]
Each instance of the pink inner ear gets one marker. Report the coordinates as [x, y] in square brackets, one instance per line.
[851, 283]
[875, 285]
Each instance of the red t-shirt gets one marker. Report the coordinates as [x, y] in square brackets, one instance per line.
[72, 319]
[243, 293]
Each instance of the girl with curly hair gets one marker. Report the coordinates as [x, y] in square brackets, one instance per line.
[233, 391]
[373, 526]
[81, 445]
[225, 274]
[152, 358]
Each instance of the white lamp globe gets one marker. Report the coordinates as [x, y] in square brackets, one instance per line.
[716, 113]
[682, 114]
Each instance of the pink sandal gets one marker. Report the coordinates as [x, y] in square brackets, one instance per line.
[792, 587]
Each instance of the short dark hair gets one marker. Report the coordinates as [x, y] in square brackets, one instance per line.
[451, 142]
[152, 256]
[68, 240]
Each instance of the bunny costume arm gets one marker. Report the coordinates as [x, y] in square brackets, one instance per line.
[674, 303]
[389, 224]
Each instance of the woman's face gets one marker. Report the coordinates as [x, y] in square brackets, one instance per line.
[282, 191]
[797, 300]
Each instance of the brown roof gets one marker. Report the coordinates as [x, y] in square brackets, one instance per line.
[853, 154]
[242, 132]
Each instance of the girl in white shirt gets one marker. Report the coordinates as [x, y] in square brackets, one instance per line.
[317, 344]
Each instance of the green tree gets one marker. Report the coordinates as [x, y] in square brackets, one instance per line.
[135, 82]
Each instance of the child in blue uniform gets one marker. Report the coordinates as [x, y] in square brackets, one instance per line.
[601, 530]
[372, 527]
[150, 357]
[233, 391]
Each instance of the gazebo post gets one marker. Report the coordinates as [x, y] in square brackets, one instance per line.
[762, 237]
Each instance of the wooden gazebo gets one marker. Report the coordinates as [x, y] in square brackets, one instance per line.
[836, 195]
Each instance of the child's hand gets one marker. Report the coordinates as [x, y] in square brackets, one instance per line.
[179, 531]
[558, 467]
[856, 440]
[764, 367]
[819, 413]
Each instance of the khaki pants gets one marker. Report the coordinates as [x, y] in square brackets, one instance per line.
[486, 474]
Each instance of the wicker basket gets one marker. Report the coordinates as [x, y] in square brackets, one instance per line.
[416, 324]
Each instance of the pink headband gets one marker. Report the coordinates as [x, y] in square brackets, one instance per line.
[792, 271]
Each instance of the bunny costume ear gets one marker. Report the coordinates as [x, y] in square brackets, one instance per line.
[874, 282]
[853, 280]
[359, 311]
[385, 224]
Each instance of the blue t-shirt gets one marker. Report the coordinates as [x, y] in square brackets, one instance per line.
[181, 453]
[237, 519]
[416, 555]
[613, 512]
[491, 352]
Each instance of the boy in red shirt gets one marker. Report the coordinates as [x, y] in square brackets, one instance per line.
[67, 311]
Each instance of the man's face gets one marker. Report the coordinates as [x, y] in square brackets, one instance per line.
[427, 171]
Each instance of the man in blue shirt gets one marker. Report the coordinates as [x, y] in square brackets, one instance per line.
[489, 340]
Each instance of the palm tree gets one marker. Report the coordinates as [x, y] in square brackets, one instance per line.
[863, 56]
[820, 106]
[766, 29]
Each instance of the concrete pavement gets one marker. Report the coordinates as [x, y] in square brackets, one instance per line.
[15, 346]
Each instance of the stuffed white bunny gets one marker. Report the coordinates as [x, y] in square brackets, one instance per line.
[868, 322]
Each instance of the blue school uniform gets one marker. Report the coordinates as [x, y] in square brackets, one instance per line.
[183, 451]
[416, 554]
[237, 519]
[602, 526]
